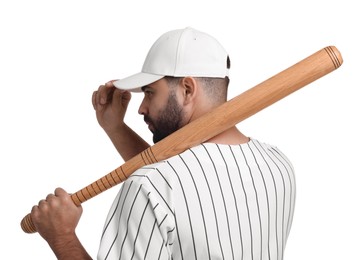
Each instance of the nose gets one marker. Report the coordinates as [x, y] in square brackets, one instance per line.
[143, 108]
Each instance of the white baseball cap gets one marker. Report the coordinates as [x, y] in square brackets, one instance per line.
[180, 53]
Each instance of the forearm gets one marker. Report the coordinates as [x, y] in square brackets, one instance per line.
[69, 248]
[127, 142]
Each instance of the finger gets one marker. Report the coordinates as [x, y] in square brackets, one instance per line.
[34, 208]
[120, 96]
[94, 98]
[49, 197]
[105, 94]
[35, 211]
[41, 202]
[126, 97]
[59, 192]
[111, 82]
[98, 94]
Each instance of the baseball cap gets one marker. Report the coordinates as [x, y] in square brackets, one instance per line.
[180, 53]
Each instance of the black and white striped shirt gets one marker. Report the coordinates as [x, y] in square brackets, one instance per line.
[209, 202]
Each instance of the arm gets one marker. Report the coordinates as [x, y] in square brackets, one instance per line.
[55, 219]
[110, 105]
[127, 142]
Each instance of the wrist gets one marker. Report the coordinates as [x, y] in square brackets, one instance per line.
[115, 130]
[68, 247]
[59, 241]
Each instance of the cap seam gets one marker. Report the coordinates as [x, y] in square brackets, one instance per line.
[178, 49]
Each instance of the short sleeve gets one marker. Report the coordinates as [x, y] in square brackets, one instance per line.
[138, 226]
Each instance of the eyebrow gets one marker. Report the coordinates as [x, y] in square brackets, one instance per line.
[144, 87]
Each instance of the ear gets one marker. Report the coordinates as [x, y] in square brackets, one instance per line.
[189, 88]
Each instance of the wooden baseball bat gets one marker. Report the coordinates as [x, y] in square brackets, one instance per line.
[215, 122]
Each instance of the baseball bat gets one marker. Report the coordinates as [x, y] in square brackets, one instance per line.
[218, 120]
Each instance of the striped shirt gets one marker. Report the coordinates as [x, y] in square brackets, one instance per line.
[210, 202]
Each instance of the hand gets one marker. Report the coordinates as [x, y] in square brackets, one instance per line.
[110, 104]
[56, 217]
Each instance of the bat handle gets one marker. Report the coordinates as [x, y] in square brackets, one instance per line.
[27, 223]
[106, 182]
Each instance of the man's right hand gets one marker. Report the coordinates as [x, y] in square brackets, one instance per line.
[110, 104]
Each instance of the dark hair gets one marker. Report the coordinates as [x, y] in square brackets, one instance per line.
[215, 88]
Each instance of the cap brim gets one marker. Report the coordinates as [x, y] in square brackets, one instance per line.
[135, 82]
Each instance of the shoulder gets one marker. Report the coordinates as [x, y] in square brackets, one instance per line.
[167, 173]
[268, 152]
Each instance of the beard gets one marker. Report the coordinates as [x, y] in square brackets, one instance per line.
[169, 119]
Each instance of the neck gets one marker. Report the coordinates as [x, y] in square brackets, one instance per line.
[232, 136]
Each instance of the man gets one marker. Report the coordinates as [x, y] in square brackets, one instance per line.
[231, 197]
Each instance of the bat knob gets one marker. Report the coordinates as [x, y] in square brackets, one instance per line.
[27, 224]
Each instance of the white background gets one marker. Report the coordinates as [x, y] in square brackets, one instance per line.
[54, 54]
